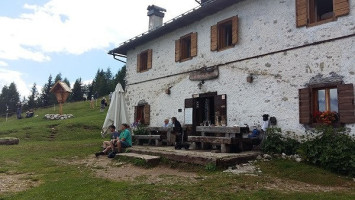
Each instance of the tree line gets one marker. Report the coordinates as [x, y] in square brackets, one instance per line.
[103, 83]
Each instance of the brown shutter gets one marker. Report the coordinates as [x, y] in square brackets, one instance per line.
[346, 103]
[301, 12]
[135, 113]
[177, 50]
[138, 62]
[147, 114]
[214, 38]
[341, 7]
[220, 105]
[193, 44]
[149, 64]
[234, 30]
[305, 114]
[189, 103]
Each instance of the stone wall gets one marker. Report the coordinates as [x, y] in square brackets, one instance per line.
[281, 57]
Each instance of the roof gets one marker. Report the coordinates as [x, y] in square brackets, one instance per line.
[182, 20]
[60, 85]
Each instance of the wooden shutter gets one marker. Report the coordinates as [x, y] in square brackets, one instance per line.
[220, 106]
[135, 113]
[346, 103]
[147, 114]
[234, 30]
[341, 7]
[138, 62]
[301, 12]
[189, 103]
[149, 63]
[214, 38]
[177, 50]
[305, 113]
[193, 44]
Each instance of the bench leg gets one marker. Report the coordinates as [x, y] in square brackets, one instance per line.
[225, 148]
[193, 146]
[157, 143]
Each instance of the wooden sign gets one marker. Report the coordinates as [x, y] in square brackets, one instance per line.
[205, 73]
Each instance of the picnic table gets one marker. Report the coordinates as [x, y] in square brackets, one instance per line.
[157, 134]
[219, 135]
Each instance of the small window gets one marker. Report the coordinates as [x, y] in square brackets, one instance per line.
[335, 101]
[142, 114]
[314, 12]
[186, 47]
[144, 61]
[320, 10]
[224, 34]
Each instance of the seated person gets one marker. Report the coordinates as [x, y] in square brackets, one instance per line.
[110, 145]
[125, 139]
[166, 123]
[254, 134]
[29, 114]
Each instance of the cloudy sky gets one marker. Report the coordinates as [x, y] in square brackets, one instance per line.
[72, 37]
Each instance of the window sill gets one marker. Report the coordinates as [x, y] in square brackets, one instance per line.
[225, 48]
[143, 71]
[185, 59]
[321, 22]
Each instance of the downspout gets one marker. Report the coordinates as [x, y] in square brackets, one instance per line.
[120, 55]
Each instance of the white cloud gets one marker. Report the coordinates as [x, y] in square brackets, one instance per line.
[78, 26]
[3, 64]
[8, 76]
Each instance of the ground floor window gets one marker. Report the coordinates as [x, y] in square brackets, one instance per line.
[142, 114]
[328, 104]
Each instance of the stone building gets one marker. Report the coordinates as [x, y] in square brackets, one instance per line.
[231, 61]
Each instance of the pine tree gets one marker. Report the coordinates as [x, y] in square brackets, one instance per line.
[67, 82]
[120, 77]
[9, 97]
[32, 99]
[77, 92]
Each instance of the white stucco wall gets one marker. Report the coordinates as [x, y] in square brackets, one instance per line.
[265, 26]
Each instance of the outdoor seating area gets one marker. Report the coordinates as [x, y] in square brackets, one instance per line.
[218, 138]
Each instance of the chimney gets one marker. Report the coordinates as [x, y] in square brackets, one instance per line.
[156, 16]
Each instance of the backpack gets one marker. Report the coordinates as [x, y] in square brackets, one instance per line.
[273, 121]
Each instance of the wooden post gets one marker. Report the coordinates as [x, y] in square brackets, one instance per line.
[60, 108]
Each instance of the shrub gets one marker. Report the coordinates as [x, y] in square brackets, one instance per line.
[332, 149]
[275, 142]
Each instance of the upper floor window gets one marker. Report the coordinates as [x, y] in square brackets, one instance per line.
[224, 34]
[144, 61]
[314, 12]
[186, 47]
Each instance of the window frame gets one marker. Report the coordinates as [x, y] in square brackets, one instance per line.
[184, 52]
[218, 34]
[144, 61]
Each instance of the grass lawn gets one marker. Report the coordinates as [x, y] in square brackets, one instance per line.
[44, 162]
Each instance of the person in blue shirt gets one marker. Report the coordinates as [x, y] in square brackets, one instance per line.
[110, 145]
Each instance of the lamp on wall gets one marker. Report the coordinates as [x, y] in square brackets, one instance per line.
[199, 85]
[167, 91]
[250, 78]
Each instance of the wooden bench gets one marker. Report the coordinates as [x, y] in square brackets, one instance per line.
[165, 133]
[214, 135]
[139, 139]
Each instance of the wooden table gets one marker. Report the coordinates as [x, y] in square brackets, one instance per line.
[164, 132]
[224, 136]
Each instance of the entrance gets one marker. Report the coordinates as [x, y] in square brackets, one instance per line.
[207, 109]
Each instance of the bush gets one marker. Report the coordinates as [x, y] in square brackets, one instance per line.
[275, 142]
[332, 149]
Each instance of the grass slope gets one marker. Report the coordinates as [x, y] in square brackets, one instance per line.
[44, 142]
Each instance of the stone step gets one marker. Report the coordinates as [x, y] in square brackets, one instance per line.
[149, 159]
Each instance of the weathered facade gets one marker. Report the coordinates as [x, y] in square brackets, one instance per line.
[275, 54]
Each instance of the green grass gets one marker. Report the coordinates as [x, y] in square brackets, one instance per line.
[77, 138]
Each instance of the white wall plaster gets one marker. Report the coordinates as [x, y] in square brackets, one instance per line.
[264, 27]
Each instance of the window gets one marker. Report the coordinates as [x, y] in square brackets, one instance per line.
[314, 12]
[186, 47]
[336, 98]
[142, 114]
[224, 34]
[144, 61]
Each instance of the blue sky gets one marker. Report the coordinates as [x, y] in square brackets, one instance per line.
[71, 37]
